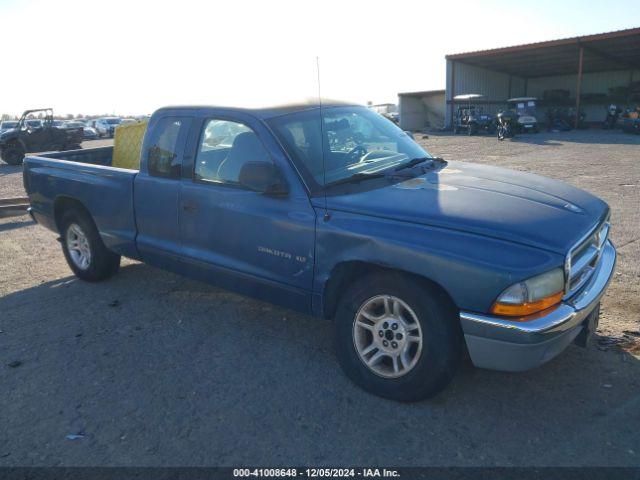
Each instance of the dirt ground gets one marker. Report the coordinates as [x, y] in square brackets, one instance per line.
[152, 369]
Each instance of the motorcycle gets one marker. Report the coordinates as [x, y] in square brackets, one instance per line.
[506, 120]
[611, 121]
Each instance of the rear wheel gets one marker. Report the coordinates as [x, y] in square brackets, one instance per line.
[13, 154]
[396, 339]
[84, 250]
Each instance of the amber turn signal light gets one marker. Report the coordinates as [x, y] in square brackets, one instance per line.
[527, 308]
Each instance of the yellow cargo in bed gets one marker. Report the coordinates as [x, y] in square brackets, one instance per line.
[127, 144]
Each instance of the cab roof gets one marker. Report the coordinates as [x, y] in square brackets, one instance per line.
[265, 112]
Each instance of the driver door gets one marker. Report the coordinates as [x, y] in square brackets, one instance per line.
[237, 238]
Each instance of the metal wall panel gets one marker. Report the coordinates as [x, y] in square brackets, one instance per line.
[493, 85]
[412, 113]
[420, 111]
[598, 82]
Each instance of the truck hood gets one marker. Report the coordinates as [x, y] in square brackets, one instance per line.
[490, 201]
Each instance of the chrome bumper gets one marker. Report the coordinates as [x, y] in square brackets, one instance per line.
[500, 344]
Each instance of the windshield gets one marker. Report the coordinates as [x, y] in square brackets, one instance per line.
[527, 107]
[112, 121]
[356, 140]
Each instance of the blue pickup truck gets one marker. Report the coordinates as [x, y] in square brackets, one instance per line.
[331, 210]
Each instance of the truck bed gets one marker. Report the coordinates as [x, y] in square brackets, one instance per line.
[86, 177]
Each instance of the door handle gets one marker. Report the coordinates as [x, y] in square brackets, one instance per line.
[189, 207]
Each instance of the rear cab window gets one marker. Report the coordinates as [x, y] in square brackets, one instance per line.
[165, 147]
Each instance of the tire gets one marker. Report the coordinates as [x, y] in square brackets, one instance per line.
[429, 364]
[13, 154]
[101, 263]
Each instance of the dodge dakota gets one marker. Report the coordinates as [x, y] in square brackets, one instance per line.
[332, 210]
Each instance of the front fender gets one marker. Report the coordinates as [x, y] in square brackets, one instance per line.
[472, 269]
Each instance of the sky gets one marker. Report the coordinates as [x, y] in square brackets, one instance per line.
[133, 56]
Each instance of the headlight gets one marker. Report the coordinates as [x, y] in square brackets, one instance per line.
[532, 295]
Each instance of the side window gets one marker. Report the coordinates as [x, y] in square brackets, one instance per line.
[162, 157]
[225, 147]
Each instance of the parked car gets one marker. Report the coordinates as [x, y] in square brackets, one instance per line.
[106, 126]
[88, 133]
[8, 125]
[412, 257]
[525, 108]
[35, 135]
[393, 116]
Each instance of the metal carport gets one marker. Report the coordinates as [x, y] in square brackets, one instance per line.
[589, 65]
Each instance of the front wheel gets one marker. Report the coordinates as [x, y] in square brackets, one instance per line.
[84, 250]
[396, 339]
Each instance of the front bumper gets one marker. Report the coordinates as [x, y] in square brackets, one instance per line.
[501, 344]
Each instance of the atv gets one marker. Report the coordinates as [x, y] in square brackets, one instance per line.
[29, 137]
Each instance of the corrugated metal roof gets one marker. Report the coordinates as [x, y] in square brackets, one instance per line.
[423, 93]
[602, 52]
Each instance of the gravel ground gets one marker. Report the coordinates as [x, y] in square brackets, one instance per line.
[154, 369]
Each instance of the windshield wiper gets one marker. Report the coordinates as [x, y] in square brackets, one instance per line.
[415, 161]
[356, 177]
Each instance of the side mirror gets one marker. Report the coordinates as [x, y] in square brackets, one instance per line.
[409, 134]
[263, 177]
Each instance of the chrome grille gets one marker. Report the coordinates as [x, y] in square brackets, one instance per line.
[583, 259]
